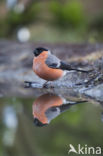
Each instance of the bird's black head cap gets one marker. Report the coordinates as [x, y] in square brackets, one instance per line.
[39, 50]
[38, 123]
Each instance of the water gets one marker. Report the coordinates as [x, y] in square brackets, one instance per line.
[44, 126]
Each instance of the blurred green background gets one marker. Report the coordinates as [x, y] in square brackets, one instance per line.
[52, 21]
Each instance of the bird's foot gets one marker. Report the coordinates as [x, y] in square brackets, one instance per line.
[46, 85]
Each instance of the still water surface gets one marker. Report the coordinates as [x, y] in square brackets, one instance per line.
[46, 125]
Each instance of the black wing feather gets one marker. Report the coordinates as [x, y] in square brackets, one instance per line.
[54, 62]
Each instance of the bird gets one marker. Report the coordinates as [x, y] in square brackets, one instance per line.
[48, 106]
[49, 67]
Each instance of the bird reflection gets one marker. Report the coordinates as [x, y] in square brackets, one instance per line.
[48, 106]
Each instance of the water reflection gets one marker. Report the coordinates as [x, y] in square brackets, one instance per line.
[48, 106]
[80, 124]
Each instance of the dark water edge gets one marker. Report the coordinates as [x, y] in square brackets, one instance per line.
[81, 124]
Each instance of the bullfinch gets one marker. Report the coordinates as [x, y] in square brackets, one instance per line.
[48, 106]
[48, 67]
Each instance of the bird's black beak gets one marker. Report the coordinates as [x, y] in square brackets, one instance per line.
[38, 123]
[35, 52]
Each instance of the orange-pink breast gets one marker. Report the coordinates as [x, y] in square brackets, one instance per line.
[43, 71]
[43, 103]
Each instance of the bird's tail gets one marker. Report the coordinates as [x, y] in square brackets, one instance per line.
[65, 66]
[64, 107]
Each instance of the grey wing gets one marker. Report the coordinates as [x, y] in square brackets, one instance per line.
[52, 113]
[52, 61]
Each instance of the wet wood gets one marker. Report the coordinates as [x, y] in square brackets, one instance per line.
[16, 67]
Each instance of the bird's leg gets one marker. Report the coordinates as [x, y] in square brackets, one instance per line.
[45, 85]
